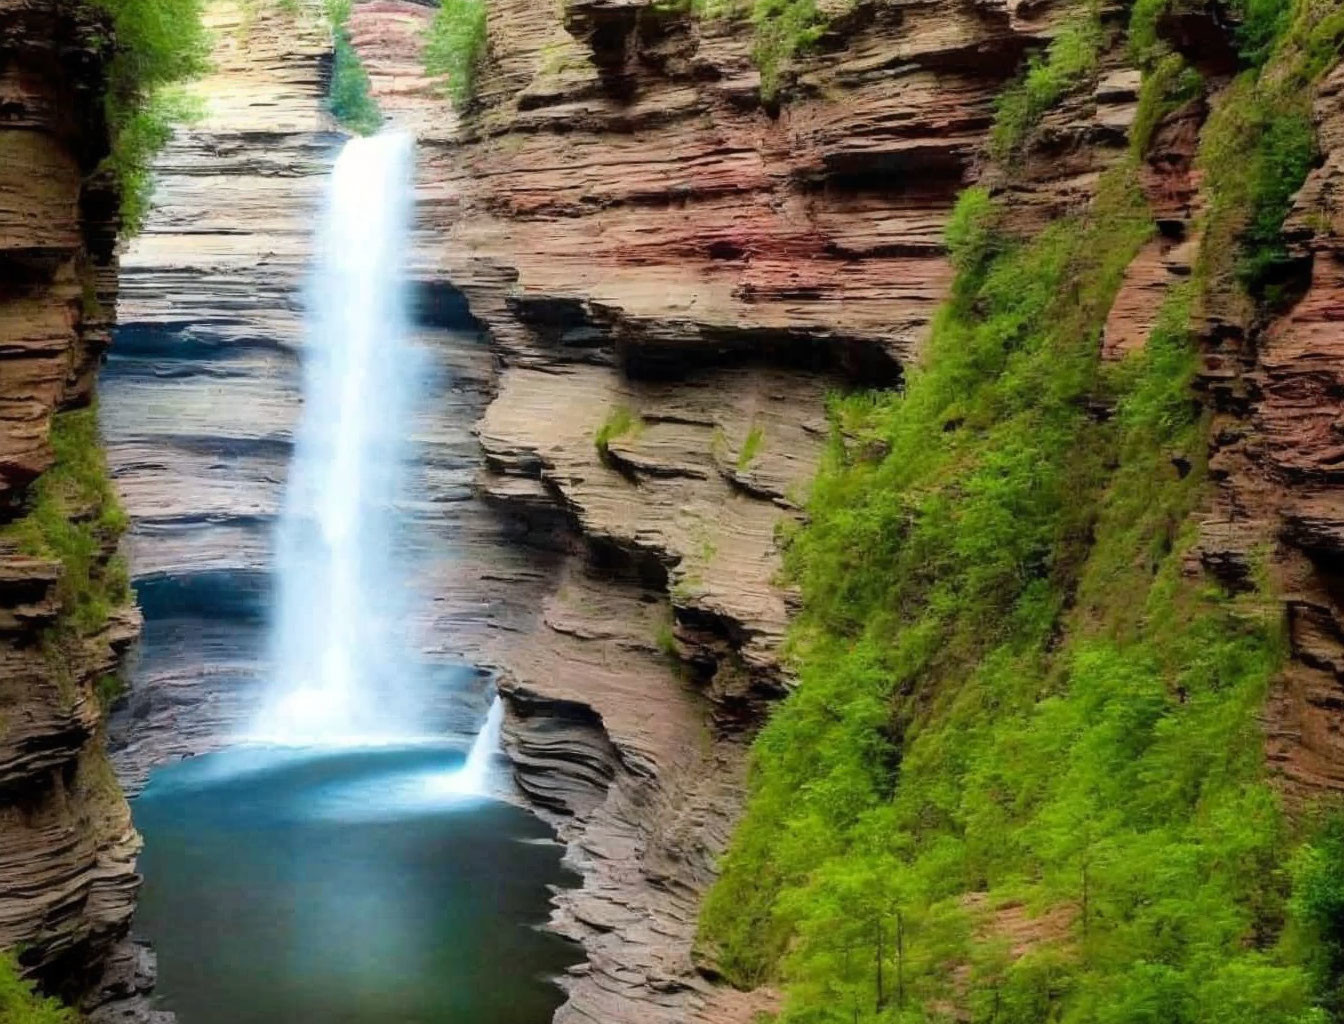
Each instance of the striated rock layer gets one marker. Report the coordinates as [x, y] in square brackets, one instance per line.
[67, 847]
[666, 265]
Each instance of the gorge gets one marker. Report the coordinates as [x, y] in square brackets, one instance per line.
[938, 400]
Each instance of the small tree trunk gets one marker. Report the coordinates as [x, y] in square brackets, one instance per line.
[881, 994]
[900, 960]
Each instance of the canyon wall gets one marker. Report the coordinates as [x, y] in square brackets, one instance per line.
[67, 846]
[674, 274]
[664, 264]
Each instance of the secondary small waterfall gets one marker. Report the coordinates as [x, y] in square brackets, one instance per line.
[346, 673]
[473, 776]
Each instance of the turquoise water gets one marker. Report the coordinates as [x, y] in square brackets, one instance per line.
[348, 888]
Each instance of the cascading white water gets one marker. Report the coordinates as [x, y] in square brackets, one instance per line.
[345, 674]
[341, 667]
[474, 775]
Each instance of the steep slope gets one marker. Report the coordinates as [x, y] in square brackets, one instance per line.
[673, 280]
[67, 848]
[675, 272]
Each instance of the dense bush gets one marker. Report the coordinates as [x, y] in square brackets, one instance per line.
[350, 99]
[1018, 713]
[455, 47]
[158, 43]
[20, 1005]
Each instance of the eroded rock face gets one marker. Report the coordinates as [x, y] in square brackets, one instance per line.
[67, 847]
[1280, 458]
[201, 392]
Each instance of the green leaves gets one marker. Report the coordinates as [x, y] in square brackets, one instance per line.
[455, 46]
[158, 43]
[20, 1005]
[349, 98]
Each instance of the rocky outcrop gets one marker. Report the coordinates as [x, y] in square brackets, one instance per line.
[673, 275]
[67, 847]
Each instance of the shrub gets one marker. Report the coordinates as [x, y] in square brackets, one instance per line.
[455, 47]
[350, 99]
[74, 516]
[1070, 61]
[19, 1004]
[1318, 910]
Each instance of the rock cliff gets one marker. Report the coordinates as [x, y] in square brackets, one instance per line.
[673, 276]
[67, 847]
[202, 390]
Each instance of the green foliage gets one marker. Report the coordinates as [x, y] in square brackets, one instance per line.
[783, 28]
[144, 131]
[620, 422]
[349, 99]
[158, 43]
[74, 517]
[1170, 84]
[1015, 702]
[455, 46]
[19, 1004]
[970, 232]
[1260, 146]
[751, 447]
[1318, 910]
[666, 639]
[966, 737]
[1070, 61]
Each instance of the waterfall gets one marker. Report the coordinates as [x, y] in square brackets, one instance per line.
[345, 664]
[474, 775]
[343, 671]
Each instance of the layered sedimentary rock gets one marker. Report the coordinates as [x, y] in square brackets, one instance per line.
[673, 275]
[67, 847]
[1278, 456]
[201, 391]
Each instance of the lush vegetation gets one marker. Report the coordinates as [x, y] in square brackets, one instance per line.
[350, 99]
[73, 516]
[1022, 775]
[20, 1005]
[158, 43]
[456, 46]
